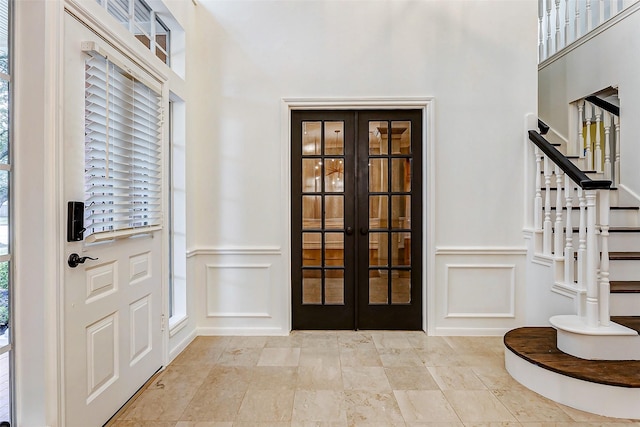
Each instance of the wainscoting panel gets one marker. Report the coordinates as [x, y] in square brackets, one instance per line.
[241, 290]
[476, 290]
[479, 291]
[238, 290]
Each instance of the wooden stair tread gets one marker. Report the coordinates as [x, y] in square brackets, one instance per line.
[631, 322]
[623, 256]
[625, 287]
[537, 345]
[613, 208]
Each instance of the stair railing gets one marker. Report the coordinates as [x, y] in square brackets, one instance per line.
[561, 22]
[587, 266]
[598, 137]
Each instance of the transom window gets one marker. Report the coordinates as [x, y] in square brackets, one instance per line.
[143, 23]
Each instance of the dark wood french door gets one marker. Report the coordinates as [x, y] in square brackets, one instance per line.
[356, 219]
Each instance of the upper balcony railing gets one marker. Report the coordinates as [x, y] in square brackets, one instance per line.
[561, 22]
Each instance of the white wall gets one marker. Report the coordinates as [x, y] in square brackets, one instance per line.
[478, 61]
[608, 59]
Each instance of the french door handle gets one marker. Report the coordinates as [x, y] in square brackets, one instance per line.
[349, 231]
[364, 231]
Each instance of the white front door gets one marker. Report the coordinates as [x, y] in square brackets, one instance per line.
[112, 305]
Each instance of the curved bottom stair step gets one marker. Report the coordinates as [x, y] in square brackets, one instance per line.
[609, 388]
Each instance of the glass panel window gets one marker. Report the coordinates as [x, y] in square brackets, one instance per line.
[378, 287]
[142, 22]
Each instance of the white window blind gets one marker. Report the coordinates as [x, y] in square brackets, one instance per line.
[123, 177]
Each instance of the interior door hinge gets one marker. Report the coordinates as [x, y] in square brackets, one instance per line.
[162, 323]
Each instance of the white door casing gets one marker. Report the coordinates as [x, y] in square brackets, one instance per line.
[112, 307]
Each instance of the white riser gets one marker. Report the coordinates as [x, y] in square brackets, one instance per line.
[624, 242]
[624, 304]
[620, 270]
[613, 198]
[617, 217]
[624, 270]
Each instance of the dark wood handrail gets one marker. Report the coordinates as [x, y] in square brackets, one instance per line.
[543, 127]
[566, 165]
[607, 106]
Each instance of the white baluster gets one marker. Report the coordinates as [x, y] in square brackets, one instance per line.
[616, 165]
[546, 226]
[588, 111]
[591, 260]
[568, 250]
[558, 236]
[537, 214]
[557, 36]
[580, 141]
[589, 14]
[601, 17]
[605, 287]
[598, 149]
[613, 5]
[607, 145]
[566, 23]
[549, 45]
[576, 28]
[582, 239]
[541, 54]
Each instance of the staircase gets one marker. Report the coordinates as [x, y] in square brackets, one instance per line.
[589, 359]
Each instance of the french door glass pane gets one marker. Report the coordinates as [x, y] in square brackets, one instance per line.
[400, 212]
[401, 137]
[333, 175]
[378, 169]
[401, 175]
[378, 212]
[401, 249]
[311, 245]
[311, 286]
[334, 138]
[311, 138]
[4, 212]
[401, 286]
[334, 287]
[311, 173]
[378, 140]
[311, 209]
[334, 212]
[334, 249]
[378, 249]
[378, 287]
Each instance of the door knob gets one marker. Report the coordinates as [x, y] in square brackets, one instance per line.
[363, 231]
[75, 259]
[349, 231]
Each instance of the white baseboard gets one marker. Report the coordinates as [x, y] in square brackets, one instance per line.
[179, 348]
[239, 331]
[471, 332]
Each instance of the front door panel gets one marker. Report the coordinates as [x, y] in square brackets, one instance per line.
[356, 219]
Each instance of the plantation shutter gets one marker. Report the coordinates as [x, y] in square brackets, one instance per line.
[123, 180]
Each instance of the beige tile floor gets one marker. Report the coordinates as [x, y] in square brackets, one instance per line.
[337, 379]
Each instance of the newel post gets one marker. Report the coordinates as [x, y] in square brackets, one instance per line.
[605, 286]
[591, 261]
